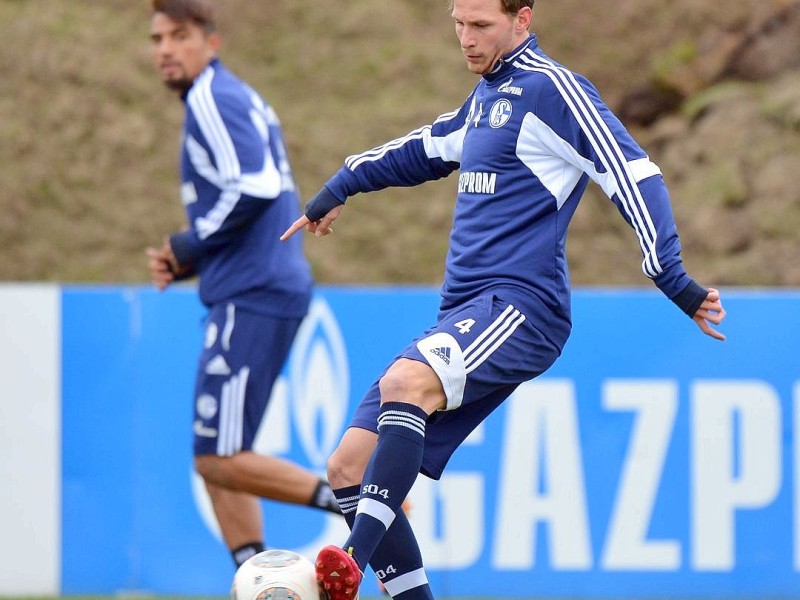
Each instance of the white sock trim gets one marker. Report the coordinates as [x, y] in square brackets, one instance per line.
[376, 509]
[405, 582]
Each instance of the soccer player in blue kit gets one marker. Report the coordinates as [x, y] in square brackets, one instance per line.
[239, 195]
[526, 142]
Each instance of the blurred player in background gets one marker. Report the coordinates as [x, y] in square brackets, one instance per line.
[237, 187]
[527, 141]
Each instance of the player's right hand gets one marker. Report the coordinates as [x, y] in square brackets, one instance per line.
[295, 227]
[160, 270]
[321, 211]
[710, 312]
[318, 228]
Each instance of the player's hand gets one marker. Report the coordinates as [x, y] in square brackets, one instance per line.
[710, 312]
[160, 269]
[295, 227]
[320, 213]
[318, 228]
[164, 267]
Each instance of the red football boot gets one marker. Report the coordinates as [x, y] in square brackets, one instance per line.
[338, 573]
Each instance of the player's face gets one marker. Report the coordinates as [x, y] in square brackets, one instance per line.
[486, 33]
[181, 50]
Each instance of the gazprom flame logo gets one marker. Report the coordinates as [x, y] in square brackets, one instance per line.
[319, 383]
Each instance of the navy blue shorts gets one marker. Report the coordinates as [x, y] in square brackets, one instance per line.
[481, 351]
[242, 356]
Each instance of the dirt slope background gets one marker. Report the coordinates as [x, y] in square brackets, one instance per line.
[89, 146]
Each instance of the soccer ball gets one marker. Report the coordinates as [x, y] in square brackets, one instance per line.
[275, 575]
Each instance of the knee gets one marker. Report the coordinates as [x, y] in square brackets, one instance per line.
[344, 469]
[347, 463]
[413, 382]
[211, 468]
[398, 384]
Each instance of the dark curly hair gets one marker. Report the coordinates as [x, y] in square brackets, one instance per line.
[200, 12]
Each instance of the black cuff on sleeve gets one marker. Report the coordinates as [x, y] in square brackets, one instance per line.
[690, 299]
[321, 204]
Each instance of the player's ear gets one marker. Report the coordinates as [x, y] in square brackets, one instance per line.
[214, 41]
[524, 18]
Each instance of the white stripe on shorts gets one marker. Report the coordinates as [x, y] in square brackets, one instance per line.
[492, 337]
[231, 414]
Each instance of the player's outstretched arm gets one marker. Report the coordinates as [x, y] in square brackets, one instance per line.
[710, 312]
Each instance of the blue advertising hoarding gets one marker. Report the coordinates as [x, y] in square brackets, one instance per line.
[650, 462]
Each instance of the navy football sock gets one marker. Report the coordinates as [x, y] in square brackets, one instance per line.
[390, 473]
[348, 502]
[397, 561]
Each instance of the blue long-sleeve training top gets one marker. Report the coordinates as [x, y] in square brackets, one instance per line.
[239, 194]
[527, 141]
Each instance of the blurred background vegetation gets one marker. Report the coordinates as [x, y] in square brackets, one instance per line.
[89, 152]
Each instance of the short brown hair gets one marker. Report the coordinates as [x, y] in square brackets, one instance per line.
[200, 12]
[510, 7]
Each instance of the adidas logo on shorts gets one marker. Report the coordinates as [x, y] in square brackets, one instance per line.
[443, 353]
